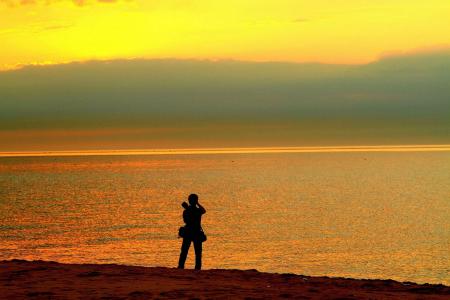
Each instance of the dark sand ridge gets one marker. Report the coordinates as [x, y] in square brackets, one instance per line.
[50, 280]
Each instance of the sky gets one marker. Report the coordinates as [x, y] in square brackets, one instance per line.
[325, 31]
[188, 74]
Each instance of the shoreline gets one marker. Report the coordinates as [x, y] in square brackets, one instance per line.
[51, 280]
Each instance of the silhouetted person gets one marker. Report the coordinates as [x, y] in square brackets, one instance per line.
[185, 206]
[192, 216]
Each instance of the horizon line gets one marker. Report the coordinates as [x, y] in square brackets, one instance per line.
[230, 150]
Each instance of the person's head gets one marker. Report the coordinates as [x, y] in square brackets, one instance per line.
[193, 199]
[185, 205]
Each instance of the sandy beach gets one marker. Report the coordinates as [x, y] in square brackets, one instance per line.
[51, 280]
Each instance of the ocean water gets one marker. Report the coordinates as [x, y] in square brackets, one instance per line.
[360, 215]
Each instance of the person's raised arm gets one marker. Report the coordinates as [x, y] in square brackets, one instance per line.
[202, 209]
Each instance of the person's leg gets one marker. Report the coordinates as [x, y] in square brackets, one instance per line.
[184, 252]
[198, 254]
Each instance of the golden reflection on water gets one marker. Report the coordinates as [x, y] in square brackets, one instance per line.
[357, 214]
[258, 150]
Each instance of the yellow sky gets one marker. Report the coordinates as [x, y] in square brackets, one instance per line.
[329, 31]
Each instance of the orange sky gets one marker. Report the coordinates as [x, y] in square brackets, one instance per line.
[340, 31]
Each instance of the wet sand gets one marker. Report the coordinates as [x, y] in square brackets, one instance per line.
[50, 280]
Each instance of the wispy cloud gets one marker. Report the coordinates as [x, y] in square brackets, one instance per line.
[15, 3]
[55, 27]
[300, 20]
[36, 27]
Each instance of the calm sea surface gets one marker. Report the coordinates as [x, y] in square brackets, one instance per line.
[362, 215]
